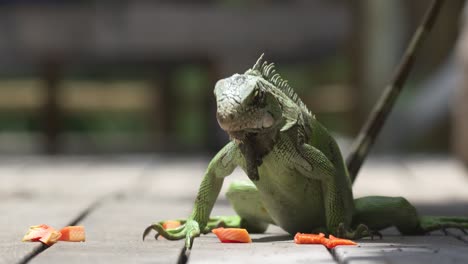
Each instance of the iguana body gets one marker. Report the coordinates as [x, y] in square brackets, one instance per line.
[299, 180]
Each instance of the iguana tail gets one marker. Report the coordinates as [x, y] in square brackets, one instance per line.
[363, 143]
[432, 223]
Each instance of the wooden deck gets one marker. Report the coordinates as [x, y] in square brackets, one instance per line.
[116, 197]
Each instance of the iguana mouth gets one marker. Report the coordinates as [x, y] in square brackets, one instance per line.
[239, 127]
[241, 135]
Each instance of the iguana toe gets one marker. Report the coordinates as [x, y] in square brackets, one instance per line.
[170, 234]
[147, 231]
[359, 232]
[189, 231]
[374, 233]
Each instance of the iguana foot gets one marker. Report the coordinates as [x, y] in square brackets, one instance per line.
[188, 230]
[360, 232]
[375, 233]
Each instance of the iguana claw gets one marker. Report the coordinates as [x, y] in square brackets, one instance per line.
[375, 233]
[159, 226]
[444, 229]
[147, 231]
[359, 232]
[171, 234]
[189, 230]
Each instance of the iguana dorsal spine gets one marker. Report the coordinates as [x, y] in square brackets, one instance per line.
[268, 72]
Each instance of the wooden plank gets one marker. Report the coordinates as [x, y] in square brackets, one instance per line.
[179, 179]
[427, 249]
[18, 215]
[114, 230]
[69, 177]
[54, 191]
[423, 180]
[114, 235]
[438, 181]
[275, 246]
[383, 176]
[23, 205]
[272, 251]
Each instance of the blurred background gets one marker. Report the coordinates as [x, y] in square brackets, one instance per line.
[118, 77]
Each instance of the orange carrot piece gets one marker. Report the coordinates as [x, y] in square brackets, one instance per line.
[35, 233]
[232, 235]
[42, 233]
[171, 224]
[73, 234]
[335, 241]
[331, 242]
[51, 238]
[302, 238]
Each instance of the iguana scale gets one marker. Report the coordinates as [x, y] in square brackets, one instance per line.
[298, 178]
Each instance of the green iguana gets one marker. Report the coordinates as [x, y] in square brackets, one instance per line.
[298, 179]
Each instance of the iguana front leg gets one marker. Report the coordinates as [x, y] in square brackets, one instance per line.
[220, 166]
[336, 189]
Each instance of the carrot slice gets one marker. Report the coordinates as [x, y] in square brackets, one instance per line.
[330, 242]
[232, 235]
[72, 234]
[335, 241]
[51, 238]
[35, 233]
[302, 238]
[42, 233]
[171, 224]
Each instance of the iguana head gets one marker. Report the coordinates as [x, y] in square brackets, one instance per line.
[244, 105]
[255, 102]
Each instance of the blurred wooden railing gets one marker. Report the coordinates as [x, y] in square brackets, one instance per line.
[51, 39]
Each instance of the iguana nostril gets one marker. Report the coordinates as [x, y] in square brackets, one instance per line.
[231, 116]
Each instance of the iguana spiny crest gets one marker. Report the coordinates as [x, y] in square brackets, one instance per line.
[268, 72]
[257, 101]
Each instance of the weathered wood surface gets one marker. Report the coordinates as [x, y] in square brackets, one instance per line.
[134, 191]
[23, 205]
[51, 191]
[428, 180]
[114, 235]
[397, 249]
[275, 246]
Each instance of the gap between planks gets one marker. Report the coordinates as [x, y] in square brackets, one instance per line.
[75, 221]
[42, 179]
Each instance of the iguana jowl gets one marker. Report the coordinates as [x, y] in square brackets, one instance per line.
[299, 180]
